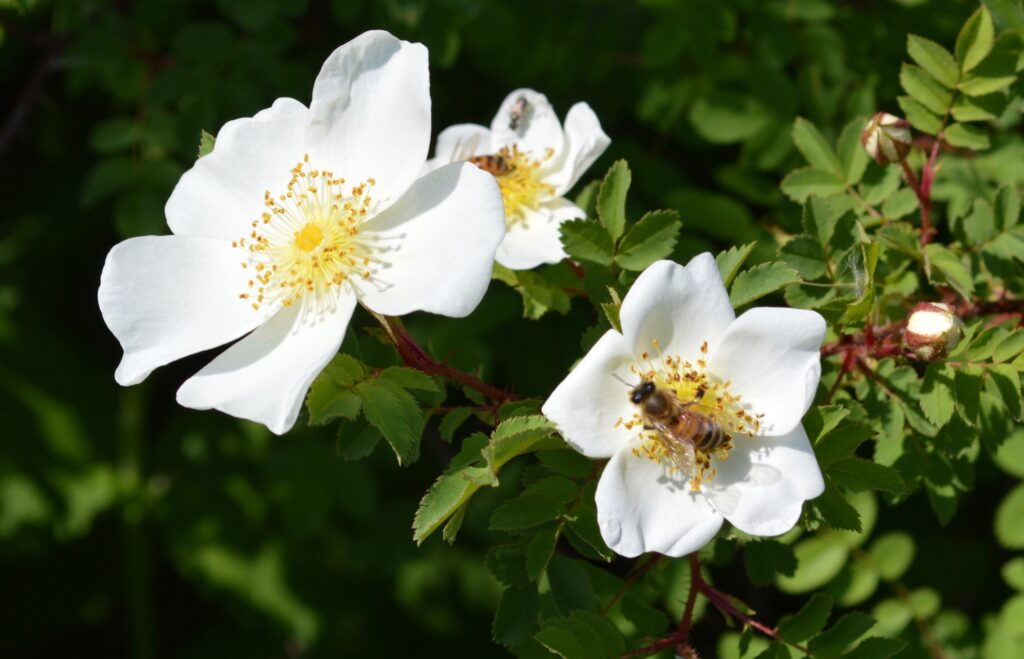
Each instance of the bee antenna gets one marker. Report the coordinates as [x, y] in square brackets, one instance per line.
[616, 376]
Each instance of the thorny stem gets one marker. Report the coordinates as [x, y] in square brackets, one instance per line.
[924, 192]
[631, 579]
[415, 357]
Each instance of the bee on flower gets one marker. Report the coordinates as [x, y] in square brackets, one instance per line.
[536, 161]
[296, 215]
[698, 412]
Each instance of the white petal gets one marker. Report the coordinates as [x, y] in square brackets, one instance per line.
[537, 131]
[265, 376]
[641, 507]
[536, 239]
[680, 307]
[370, 115]
[762, 485]
[223, 191]
[463, 141]
[589, 402]
[439, 241]
[165, 297]
[772, 358]
[584, 143]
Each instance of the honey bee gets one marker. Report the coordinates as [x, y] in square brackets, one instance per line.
[517, 112]
[496, 165]
[681, 427]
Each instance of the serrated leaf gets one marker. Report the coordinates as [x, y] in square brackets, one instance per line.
[582, 635]
[586, 198]
[937, 401]
[356, 443]
[761, 280]
[570, 585]
[934, 59]
[800, 184]
[516, 617]
[408, 378]
[967, 391]
[975, 40]
[852, 157]
[814, 147]
[841, 635]
[516, 436]
[919, 116]
[539, 552]
[966, 137]
[980, 225]
[805, 254]
[858, 475]
[841, 442]
[903, 202]
[525, 511]
[876, 647]
[206, 144]
[587, 240]
[1009, 347]
[925, 89]
[611, 199]
[946, 263]
[808, 621]
[393, 411]
[451, 421]
[730, 261]
[835, 510]
[652, 238]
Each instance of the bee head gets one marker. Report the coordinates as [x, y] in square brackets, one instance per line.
[641, 392]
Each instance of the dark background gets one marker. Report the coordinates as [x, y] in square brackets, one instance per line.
[132, 527]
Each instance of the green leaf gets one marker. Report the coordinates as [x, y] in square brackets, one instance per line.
[952, 270]
[587, 240]
[980, 225]
[805, 254]
[355, 443]
[808, 621]
[516, 616]
[206, 144]
[858, 474]
[876, 647]
[525, 511]
[853, 159]
[761, 280]
[1011, 346]
[934, 59]
[975, 39]
[967, 390]
[582, 635]
[841, 442]
[966, 137]
[1010, 519]
[861, 308]
[650, 239]
[452, 420]
[979, 108]
[393, 411]
[925, 89]
[937, 401]
[819, 560]
[539, 552]
[611, 199]
[802, 183]
[891, 554]
[903, 202]
[847, 629]
[516, 436]
[1013, 573]
[1007, 208]
[919, 116]
[730, 261]
[765, 559]
[814, 147]
[586, 199]
[835, 510]
[331, 396]
[408, 378]
[570, 585]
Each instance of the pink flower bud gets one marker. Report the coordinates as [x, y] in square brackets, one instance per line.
[886, 138]
[933, 330]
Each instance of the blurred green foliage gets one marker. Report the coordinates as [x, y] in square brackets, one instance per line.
[132, 527]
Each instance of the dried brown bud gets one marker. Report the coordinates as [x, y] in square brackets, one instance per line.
[886, 138]
[933, 330]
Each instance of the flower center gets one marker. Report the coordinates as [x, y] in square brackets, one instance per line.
[518, 176]
[307, 243]
[700, 420]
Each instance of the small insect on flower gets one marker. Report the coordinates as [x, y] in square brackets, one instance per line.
[518, 111]
[681, 428]
[495, 164]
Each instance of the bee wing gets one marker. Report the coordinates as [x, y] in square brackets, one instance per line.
[680, 449]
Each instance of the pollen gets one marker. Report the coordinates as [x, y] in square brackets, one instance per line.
[700, 395]
[307, 243]
[521, 184]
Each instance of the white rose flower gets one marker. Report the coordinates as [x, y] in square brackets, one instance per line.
[536, 162]
[933, 330]
[753, 377]
[297, 214]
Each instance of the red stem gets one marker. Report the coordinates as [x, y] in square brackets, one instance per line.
[924, 192]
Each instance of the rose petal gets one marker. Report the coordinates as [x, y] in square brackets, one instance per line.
[265, 376]
[536, 132]
[584, 143]
[439, 242]
[679, 307]
[760, 488]
[370, 115]
[165, 297]
[461, 142]
[590, 401]
[642, 507]
[536, 239]
[771, 356]
[223, 192]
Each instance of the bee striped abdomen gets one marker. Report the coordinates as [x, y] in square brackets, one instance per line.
[496, 165]
[707, 434]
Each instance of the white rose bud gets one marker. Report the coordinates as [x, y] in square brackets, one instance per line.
[933, 330]
[886, 138]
